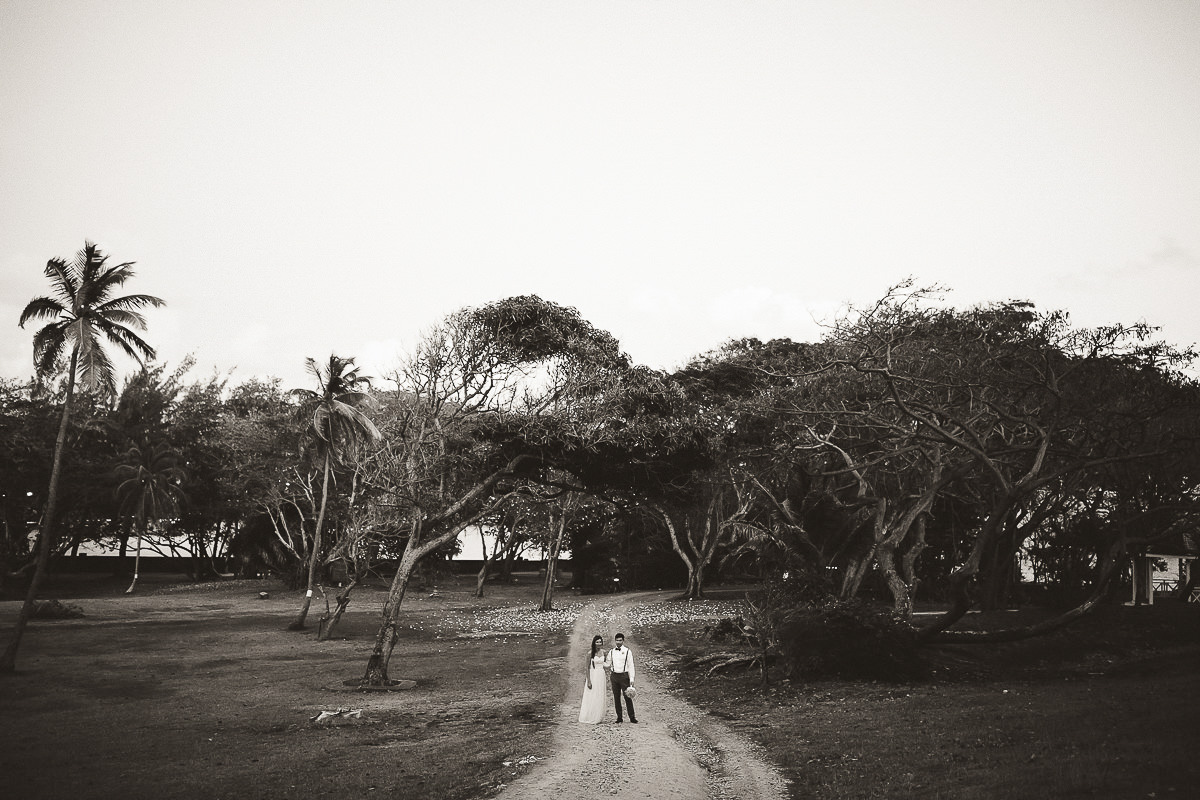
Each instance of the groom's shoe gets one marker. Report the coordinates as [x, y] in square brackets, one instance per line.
[634, 721]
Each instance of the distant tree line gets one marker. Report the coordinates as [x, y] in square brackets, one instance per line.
[914, 451]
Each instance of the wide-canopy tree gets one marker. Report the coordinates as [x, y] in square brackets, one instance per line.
[83, 316]
[1015, 403]
[479, 408]
[26, 450]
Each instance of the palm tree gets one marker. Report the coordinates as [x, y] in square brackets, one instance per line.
[149, 489]
[338, 428]
[84, 315]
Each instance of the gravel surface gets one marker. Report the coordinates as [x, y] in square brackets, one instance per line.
[675, 750]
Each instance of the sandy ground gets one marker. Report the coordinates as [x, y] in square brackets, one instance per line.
[675, 750]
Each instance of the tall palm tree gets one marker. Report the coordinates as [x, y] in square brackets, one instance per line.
[149, 489]
[84, 315]
[338, 428]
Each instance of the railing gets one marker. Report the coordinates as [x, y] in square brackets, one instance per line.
[1166, 585]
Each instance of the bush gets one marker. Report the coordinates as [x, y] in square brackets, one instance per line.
[726, 630]
[799, 586]
[53, 609]
[849, 639]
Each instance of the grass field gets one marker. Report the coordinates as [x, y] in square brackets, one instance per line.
[198, 691]
[1109, 707]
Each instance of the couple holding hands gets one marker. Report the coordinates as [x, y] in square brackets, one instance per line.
[618, 663]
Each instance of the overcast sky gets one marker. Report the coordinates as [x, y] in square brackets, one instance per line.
[300, 178]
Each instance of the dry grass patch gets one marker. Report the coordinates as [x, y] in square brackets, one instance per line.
[202, 693]
[1107, 708]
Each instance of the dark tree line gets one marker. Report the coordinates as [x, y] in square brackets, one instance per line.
[916, 451]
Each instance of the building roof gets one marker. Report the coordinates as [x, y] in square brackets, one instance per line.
[1185, 543]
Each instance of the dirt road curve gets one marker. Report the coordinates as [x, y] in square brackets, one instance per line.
[675, 752]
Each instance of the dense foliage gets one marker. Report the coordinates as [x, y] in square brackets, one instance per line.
[915, 452]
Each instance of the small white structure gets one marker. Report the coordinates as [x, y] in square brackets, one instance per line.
[1180, 554]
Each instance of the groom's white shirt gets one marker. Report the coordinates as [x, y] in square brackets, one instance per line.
[621, 661]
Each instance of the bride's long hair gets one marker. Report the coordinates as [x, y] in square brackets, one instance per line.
[596, 638]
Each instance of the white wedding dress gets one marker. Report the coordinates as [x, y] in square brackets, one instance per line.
[595, 699]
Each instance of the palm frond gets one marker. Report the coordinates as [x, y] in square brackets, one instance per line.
[133, 345]
[151, 481]
[88, 263]
[63, 279]
[337, 426]
[311, 366]
[128, 303]
[42, 308]
[48, 346]
[112, 277]
[356, 399]
[348, 416]
[320, 424]
[128, 319]
[96, 369]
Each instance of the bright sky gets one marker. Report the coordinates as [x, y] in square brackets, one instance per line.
[300, 178]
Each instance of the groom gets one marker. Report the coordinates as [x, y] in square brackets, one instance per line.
[620, 662]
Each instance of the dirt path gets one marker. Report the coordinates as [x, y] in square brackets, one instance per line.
[675, 750]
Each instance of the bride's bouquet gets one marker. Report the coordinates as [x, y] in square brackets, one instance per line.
[631, 692]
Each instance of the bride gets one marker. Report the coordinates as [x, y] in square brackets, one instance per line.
[595, 697]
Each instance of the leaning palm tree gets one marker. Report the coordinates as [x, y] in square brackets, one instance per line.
[337, 427]
[84, 315]
[149, 490]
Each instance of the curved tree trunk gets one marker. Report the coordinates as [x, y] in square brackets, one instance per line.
[853, 574]
[552, 565]
[501, 546]
[8, 661]
[1184, 594]
[385, 641]
[902, 596]
[695, 583]
[137, 559]
[1108, 568]
[329, 621]
[962, 579]
[315, 557]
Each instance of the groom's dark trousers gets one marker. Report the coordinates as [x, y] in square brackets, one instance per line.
[620, 682]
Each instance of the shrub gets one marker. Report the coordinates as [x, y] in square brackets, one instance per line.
[849, 639]
[726, 630]
[53, 609]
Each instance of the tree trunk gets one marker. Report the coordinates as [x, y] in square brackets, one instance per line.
[200, 565]
[902, 598]
[997, 586]
[298, 623]
[507, 563]
[908, 562]
[961, 580]
[137, 559]
[497, 550]
[552, 564]
[122, 553]
[1108, 568]
[328, 622]
[481, 578]
[852, 577]
[695, 563]
[1192, 566]
[695, 584]
[8, 661]
[385, 639]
